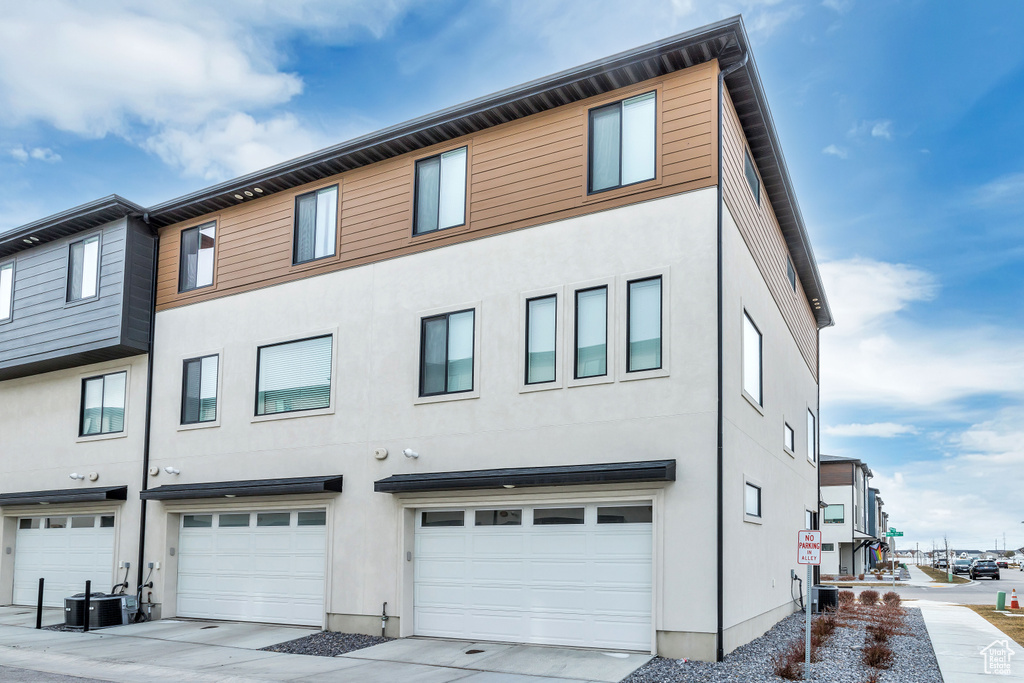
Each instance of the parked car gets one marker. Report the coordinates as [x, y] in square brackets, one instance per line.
[1002, 564]
[961, 566]
[984, 568]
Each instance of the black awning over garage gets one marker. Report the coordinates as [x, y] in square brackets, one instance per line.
[559, 475]
[53, 496]
[251, 487]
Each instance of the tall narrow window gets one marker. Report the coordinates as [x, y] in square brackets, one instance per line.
[751, 173]
[197, 247]
[812, 438]
[440, 192]
[316, 224]
[6, 291]
[540, 339]
[591, 332]
[103, 401]
[622, 142]
[752, 500]
[199, 390]
[446, 353]
[294, 376]
[791, 273]
[84, 269]
[644, 331]
[752, 360]
[787, 437]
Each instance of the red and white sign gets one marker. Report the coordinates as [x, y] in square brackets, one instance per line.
[808, 547]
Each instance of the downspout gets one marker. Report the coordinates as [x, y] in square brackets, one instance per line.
[720, 570]
[149, 407]
[817, 457]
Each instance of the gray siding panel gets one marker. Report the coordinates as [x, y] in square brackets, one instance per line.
[140, 279]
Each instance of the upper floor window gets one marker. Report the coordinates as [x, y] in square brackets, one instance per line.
[293, 376]
[791, 273]
[197, 247]
[752, 500]
[446, 353]
[440, 192]
[199, 390]
[788, 438]
[622, 142]
[84, 269]
[812, 440]
[751, 173]
[103, 401]
[835, 514]
[752, 360]
[591, 332]
[540, 339]
[316, 225]
[6, 291]
[643, 310]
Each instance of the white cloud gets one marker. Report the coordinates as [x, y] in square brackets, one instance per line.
[1007, 189]
[835, 151]
[45, 154]
[839, 6]
[882, 129]
[881, 430]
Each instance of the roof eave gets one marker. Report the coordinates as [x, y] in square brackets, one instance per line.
[76, 219]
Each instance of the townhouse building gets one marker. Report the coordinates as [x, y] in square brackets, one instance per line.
[76, 295]
[526, 369]
[847, 538]
[878, 524]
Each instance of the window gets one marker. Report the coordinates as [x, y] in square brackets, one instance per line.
[752, 500]
[812, 440]
[84, 522]
[84, 269]
[828, 547]
[540, 339]
[787, 437]
[103, 404]
[294, 376]
[274, 519]
[808, 519]
[834, 514]
[28, 523]
[196, 267]
[499, 517]
[313, 518]
[628, 514]
[235, 519]
[457, 518]
[6, 291]
[56, 522]
[752, 360]
[791, 273]
[558, 516]
[107, 522]
[440, 192]
[446, 353]
[197, 521]
[199, 390]
[643, 334]
[591, 332]
[316, 224]
[622, 142]
[751, 173]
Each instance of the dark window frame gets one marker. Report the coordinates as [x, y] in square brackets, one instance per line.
[440, 179]
[590, 144]
[661, 322]
[788, 431]
[423, 349]
[576, 332]
[791, 272]
[753, 179]
[81, 404]
[68, 301]
[526, 364]
[182, 288]
[256, 397]
[295, 225]
[13, 263]
[184, 386]
[760, 360]
[760, 500]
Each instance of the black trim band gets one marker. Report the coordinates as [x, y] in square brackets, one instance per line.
[252, 487]
[85, 495]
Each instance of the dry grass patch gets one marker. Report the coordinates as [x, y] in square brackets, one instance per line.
[939, 575]
[1011, 626]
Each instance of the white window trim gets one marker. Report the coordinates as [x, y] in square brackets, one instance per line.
[750, 399]
[560, 307]
[752, 519]
[830, 550]
[254, 381]
[99, 372]
[812, 449]
[791, 452]
[220, 390]
[14, 273]
[611, 333]
[417, 330]
[622, 295]
[99, 267]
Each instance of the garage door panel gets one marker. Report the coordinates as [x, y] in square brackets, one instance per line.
[562, 598]
[565, 629]
[497, 597]
[558, 570]
[495, 625]
[66, 558]
[622, 633]
[440, 543]
[438, 595]
[629, 572]
[498, 544]
[554, 544]
[622, 544]
[623, 601]
[433, 568]
[441, 622]
[498, 570]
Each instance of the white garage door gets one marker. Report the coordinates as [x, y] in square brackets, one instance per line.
[67, 551]
[253, 566]
[562, 575]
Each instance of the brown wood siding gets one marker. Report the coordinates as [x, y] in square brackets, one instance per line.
[763, 236]
[520, 174]
[836, 474]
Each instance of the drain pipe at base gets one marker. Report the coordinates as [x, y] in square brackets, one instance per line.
[384, 620]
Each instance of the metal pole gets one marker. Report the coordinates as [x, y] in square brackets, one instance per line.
[807, 624]
[39, 605]
[85, 607]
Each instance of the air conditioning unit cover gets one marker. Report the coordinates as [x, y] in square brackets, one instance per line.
[104, 610]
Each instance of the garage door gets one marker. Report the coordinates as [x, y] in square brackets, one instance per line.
[562, 575]
[65, 550]
[253, 566]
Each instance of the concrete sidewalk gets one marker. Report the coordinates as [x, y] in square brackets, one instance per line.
[919, 578]
[967, 646]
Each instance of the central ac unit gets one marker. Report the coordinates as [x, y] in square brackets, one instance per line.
[104, 610]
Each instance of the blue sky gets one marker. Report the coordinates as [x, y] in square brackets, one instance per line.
[899, 122]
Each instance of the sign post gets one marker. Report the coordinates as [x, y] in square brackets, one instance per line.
[892, 533]
[808, 551]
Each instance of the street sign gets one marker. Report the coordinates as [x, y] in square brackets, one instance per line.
[808, 547]
[891, 533]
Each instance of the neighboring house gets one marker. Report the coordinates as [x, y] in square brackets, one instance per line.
[561, 353]
[75, 311]
[846, 535]
[878, 524]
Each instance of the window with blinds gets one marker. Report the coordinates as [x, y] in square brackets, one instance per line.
[84, 269]
[6, 291]
[199, 390]
[294, 376]
[440, 192]
[540, 339]
[195, 269]
[643, 331]
[591, 332]
[103, 401]
[316, 225]
[622, 142]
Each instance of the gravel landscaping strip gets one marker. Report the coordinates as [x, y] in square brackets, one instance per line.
[839, 659]
[327, 644]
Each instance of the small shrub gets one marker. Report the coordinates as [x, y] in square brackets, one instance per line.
[873, 677]
[892, 598]
[847, 577]
[788, 664]
[860, 577]
[846, 598]
[878, 633]
[878, 656]
[824, 625]
[869, 597]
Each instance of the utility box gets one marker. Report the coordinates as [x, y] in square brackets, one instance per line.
[104, 610]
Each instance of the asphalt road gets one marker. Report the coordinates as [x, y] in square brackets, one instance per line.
[981, 592]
